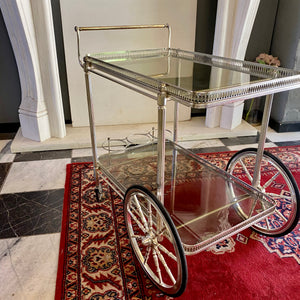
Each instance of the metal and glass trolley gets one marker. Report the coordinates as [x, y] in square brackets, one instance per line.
[176, 203]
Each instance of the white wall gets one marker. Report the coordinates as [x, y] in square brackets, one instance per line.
[114, 104]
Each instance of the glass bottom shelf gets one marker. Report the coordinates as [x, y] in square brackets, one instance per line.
[205, 203]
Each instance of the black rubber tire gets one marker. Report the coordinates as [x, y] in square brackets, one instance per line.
[181, 285]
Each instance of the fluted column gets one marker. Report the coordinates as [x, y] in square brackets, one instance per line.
[30, 28]
[234, 24]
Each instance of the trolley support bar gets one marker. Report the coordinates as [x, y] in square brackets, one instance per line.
[92, 127]
[262, 139]
[161, 145]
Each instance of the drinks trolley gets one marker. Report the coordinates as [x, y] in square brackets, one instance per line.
[176, 203]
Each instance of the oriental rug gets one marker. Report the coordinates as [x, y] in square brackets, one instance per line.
[96, 260]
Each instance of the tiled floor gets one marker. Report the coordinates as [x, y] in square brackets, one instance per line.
[31, 199]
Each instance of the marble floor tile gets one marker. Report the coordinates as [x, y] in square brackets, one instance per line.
[275, 136]
[244, 146]
[82, 159]
[7, 157]
[43, 155]
[288, 143]
[210, 149]
[201, 144]
[79, 137]
[28, 267]
[87, 152]
[239, 140]
[5, 153]
[4, 169]
[3, 144]
[282, 136]
[35, 176]
[31, 213]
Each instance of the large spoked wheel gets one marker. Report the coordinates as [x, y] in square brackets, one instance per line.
[277, 182]
[155, 241]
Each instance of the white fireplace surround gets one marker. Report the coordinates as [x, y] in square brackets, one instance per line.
[30, 28]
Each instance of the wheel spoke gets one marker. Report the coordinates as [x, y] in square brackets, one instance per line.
[137, 237]
[268, 224]
[169, 253]
[280, 196]
[270, 180]
[150, 216]
[155, 258]
[141, 214]
[161, 258]
[267, 220]
[148, 250]
[163, 231]
[253, 207]
[140, 225]
[246, 170]
[280, 215]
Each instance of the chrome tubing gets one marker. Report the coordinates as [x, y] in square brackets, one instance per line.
[120, 27]
[117, 27]
[92, 126]
[262, 139]
[161, 143]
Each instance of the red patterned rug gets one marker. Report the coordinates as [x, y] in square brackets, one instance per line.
[96, 260]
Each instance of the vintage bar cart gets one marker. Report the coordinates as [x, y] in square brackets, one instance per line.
[176, 203]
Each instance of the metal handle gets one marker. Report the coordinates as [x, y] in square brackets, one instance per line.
[118, 27]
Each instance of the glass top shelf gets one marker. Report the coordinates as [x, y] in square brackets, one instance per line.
[194, 79]
[205, 203]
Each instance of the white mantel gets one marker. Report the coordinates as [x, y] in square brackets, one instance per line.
[30, 28]
[234, 24]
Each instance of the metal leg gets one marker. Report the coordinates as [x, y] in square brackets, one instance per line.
[262, 139]
[98, 188]
[173, 180]
[175, 138]
[161, 146]
[174, 158]
[176, 105]
[175, 124]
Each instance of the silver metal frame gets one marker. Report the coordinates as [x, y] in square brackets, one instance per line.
[262, 139]
[281, 79]
[161, 143]
[92, 125]
[152, 87]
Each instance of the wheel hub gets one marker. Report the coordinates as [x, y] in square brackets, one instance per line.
[261, 189]
[150, 239]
